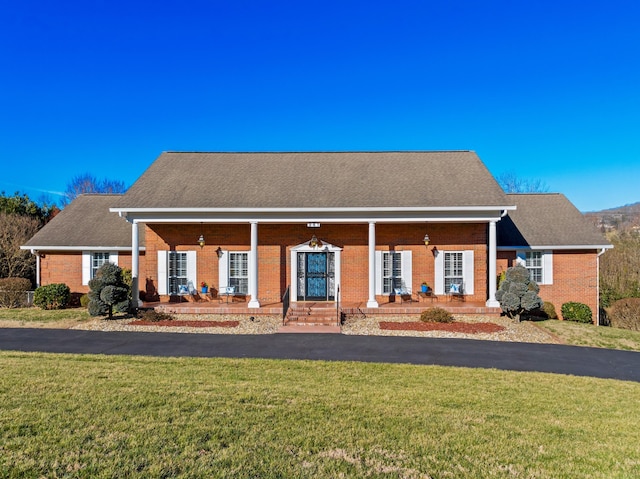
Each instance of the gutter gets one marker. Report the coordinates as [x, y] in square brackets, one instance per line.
[598, 283]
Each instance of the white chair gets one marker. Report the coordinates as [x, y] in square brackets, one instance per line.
[403, 293]
[226, 291]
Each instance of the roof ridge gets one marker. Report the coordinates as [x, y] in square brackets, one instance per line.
[280, 152]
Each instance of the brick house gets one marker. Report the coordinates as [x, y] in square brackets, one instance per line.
[82, 238]
[355, 224]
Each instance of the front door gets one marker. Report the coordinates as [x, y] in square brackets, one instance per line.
[315, 276]
[316, 273]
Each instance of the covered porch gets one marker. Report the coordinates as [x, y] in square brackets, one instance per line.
[348, 308]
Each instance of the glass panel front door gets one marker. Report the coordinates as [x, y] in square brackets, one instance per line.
[316, 276]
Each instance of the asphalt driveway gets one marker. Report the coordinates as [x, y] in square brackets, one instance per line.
[594, 362]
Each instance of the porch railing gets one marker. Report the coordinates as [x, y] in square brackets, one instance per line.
[286, 300]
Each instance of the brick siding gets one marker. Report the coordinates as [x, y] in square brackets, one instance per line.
[574, 272]
[275, 242]
[66, 267]
[575, 278]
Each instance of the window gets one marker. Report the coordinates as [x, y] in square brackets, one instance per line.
[93, 260]
[391, 271]
[539, 263]
[97, 260]
[177, 271]
[239, 272]
[533, 262]
[453, 269]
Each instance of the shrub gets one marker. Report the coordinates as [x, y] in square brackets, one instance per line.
[13, 292]
[436, 315]
[52, 296]
[84, 300]
[108, 292]
[625, 314]
[578, 312]
[549, 310]
[153, 315]
[518, 295]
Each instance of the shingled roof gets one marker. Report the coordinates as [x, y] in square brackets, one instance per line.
[314, 180]
[85, 223]
[547, 220]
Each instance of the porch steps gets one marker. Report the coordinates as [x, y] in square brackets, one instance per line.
[311, 317]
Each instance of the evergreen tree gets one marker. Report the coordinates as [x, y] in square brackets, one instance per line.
[108, 292]
[518, 294]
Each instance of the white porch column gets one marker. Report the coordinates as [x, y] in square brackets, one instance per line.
[493, 259]
[37, 253]
[253, 267]
[372, 303]
[135, 265]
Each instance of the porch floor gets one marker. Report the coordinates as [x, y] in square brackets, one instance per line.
[391, 308]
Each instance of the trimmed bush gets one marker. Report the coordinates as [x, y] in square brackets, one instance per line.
[436, 315]
[52, 296]
[155, 316]
[518, 295]
[578, 312]
[108, 292]
[625, 314]
[13, 292]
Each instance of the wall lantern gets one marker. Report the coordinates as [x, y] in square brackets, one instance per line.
[201, 241]
[315, 242]
[219, 252]
[426, 240]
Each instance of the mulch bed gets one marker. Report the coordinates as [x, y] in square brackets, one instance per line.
[192, 324]
[469, 328]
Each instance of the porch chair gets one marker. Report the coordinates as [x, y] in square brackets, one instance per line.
[403, 293]
[226, 291]
[456, 291]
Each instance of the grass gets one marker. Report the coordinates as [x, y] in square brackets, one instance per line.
[37, 315]
[102, 416]
[580, 334]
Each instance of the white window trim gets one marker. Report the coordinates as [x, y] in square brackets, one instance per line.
[223, 268]
[406, 272]
[547, 263]
[163, 270]
[87, 263]
[468, 271]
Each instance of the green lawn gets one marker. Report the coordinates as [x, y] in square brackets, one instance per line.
[102, 416]
[37, 315]
[593, 336]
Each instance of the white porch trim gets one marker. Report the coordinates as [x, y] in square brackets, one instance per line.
[253, 267]
[305, 248]
[492, 302]
[371, 302]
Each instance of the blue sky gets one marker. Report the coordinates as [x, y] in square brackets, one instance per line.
[545, 89]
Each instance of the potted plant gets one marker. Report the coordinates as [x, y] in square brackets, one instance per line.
[204, 287]
[425, 287]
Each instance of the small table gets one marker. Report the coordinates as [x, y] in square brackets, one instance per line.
[424, 295]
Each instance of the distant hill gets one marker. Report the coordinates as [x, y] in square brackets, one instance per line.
[622, 218]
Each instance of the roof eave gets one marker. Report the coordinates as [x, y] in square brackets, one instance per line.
[555, 247]
[80, 248]
[355, 209]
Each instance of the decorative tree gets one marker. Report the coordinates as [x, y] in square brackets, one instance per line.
[109, 292]
[517, 293]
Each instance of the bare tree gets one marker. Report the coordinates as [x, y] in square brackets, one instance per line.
[16, 230]
[511, 183]
[88, 183]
